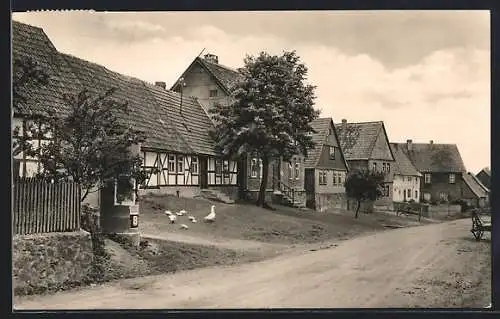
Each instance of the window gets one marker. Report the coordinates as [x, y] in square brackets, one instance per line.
[427, 178]
[218, 167]
[387, 191]
[451, 178]
[388, 167]
[180, 163]
[225, 169]
[171, 163]
[416, 194]
[213, 93]
[404, 194]
[374, 167]
[443, 196]
[335, 178]
[409, 193]
[290, 171]
[332, 152]
[383, 167]
[253, 168]
[322, 178]
[194, 165]
[297, 170]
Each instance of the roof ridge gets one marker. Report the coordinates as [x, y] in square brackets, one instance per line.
[26, 24]
[219, 65]
[368, 122]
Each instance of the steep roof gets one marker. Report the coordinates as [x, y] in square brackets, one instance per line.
[225, 76]
[403, 165]
[435, 158]
[32, 42]
[321, 126]
[475, 185]
[357, 140]
[153, 111]
[193, 123]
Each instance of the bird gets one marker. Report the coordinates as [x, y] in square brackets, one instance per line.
[167, 212]
[194, 221]
[210, 217]
[183, 212]
[184, 226]
[172, 218]
[178, 214]
[191, 217]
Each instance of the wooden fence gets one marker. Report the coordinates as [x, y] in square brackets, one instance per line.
[43, 207]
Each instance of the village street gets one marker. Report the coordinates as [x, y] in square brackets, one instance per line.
[438, 265]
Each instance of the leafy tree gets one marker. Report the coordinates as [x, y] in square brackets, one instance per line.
[26, 74]
[89, 145]
[364, 185]
[270, 115]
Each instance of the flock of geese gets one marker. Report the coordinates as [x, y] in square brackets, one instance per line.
[210, 218]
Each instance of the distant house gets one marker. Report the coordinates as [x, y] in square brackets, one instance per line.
[484, 177]
[366, 146]
[325, 168]
[441, 167]
[177, 143]
[406, 184]
[210, 82]
[474, 192]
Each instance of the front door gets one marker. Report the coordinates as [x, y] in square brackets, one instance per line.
[203, 172]
[309, 183]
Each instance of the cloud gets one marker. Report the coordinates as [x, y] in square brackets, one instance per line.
[438, 96]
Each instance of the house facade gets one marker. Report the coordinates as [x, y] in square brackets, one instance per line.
[441, 167]
[406, 183]
[210, 82]
[325, 168]
[365, 146]
[178, 154]
[484, 177]
[474, 192]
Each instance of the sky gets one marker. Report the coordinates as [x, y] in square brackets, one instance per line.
[426, 74]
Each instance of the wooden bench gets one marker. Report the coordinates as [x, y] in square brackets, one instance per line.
[407, 210]
[479, 226]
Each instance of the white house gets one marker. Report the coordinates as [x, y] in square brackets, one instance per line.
[406, 185]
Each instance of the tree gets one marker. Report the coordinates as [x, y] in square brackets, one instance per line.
[26, 74]
[270, 115]
[364, 185]
[89, 145]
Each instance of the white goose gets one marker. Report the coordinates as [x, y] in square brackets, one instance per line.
[172, 218]
[210, 217]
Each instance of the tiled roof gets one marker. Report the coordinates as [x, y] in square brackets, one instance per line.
[403, 165]
[32, 42]
[227, 76]
[145, 115]
[153, 111]
[358, 139]
[193, 124]
[475, 185]
[435, 158]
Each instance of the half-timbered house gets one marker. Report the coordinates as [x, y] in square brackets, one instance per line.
[211, 82]
[178, 153]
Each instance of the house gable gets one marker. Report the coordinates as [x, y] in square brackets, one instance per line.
[381, 149]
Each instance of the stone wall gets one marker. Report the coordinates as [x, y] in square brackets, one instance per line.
[42, 261]
[441, 211]
[324, 202]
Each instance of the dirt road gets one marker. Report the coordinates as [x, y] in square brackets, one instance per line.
[430, 266]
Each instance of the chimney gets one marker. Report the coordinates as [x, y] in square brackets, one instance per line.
[212, 58]
[431, 142]
[163, 85]
[344, 124]
[409, 144]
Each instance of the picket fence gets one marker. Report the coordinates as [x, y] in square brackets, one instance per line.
[43, 207]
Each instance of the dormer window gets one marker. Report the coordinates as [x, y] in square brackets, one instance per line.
[213, 93]
[427, 178]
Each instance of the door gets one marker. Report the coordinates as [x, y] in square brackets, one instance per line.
[203, 172]
[309, 188]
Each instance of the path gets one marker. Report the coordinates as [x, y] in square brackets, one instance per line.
[418, 266]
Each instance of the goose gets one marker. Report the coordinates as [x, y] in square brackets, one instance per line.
[167, 212]
[210, 217]
[184, 226]
[172, 218]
